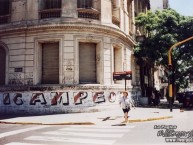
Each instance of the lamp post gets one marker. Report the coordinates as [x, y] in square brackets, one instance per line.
[170, 69]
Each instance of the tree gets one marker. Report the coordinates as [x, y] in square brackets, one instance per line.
[163, 29]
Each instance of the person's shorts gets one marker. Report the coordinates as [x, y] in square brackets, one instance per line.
[126, 110]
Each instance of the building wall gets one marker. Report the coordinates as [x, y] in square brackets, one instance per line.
[108, 27]
[27, 32]
[52, 102]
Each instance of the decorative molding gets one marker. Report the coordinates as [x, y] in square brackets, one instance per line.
[78, 27]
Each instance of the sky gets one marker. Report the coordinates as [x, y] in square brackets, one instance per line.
[184, 7]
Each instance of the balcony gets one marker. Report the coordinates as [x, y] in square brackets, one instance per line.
[50, 13]
[116, 21]
[4, 19]
[88, 13]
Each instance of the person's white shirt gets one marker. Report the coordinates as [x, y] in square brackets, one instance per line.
[126, 102]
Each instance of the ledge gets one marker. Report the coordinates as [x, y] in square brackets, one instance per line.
[60, 24]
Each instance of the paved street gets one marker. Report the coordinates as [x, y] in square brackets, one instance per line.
[70, 135]
[132, 133]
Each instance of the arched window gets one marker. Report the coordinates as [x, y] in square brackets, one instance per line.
[4, 11]
[50, 8]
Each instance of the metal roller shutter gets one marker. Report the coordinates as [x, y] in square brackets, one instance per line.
[50, 63]
[87, 62]
[2, 66]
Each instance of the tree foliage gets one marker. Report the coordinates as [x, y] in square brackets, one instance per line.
[163, 29]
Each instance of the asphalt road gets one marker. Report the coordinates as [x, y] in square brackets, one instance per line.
[147, 133]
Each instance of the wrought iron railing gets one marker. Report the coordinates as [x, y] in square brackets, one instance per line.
[4, 19]
[88, 13]
[50, 13]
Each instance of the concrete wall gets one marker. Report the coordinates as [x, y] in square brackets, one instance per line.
[56, 101]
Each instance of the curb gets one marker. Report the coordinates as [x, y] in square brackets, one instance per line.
[149, 119]
[84, 123]
[32, 123]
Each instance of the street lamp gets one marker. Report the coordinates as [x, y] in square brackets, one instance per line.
[170, 69]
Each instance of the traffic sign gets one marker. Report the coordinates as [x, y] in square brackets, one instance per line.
[126, 75]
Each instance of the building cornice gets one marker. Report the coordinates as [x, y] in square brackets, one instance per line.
[68, 27]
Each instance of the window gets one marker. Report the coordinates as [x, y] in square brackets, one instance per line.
[117, 60]
[85, 4]
[88, 9]
[50, 68]
[50, 9]
[52, 4]
[4, 11]
[87, 63]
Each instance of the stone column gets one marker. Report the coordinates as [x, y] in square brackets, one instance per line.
[69, 8]
[32, 10]
[18, 11]
[106, 12]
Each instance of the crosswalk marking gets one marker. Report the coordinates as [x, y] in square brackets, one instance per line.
[103, 135]
[19, 143]
[70, 140]
[92, 135]
[20, 131]
[102, 126]
[95, 130]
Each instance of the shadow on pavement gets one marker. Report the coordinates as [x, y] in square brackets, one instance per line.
[11, 116]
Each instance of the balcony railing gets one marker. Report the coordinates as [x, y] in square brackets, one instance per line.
[116, 21]
[88, 13]
[50, 13]
[4, 19]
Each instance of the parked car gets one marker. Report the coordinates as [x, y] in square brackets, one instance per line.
[188, 99]
[180, 97]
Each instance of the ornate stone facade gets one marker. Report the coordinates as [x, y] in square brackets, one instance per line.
[106, 27]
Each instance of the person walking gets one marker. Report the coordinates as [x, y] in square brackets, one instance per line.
[126, 103]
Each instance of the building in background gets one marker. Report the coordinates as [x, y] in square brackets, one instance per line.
[159, 4]
[160, 75]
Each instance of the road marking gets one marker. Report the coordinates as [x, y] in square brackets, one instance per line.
[101, 126]
[19, 143]
[96, 130]
[92, 135]
[20, 131]
[61, 133]
[71, 140]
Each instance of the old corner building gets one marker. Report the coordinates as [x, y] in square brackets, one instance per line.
[60, 43]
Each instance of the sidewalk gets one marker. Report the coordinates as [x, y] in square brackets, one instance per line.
[105, 115]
